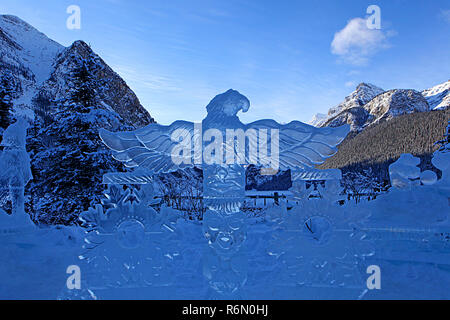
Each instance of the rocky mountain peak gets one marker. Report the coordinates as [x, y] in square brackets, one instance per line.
[364, 93]
[113, 92]
[25, 47]
[363, 86]
[67, 94]
[39, 66]
[396, 102]
[369, 104]
[383, 106]
[438, 97]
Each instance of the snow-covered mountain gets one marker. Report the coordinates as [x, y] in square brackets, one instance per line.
[383, 107]
[396, 102]
[369, 105]
[67, 94]
[380, 136]
[25, 48]
[318, 119]
[438, 97]
[26, 58]
[38, 64]
[363, 93]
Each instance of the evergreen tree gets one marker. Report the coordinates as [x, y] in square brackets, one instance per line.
[68, 172]
[444, 142]
[5, 101]
[5, 121]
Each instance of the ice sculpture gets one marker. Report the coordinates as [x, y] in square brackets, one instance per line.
[127, 242]
[15, 172]
[412, 188]
[330, 190]
[405, 171]
[28, 252]
[410, 225]
[222, 145]
[325, 174]
[428, 177]
[320, 243]
[441, 159]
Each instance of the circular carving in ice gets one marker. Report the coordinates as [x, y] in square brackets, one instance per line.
[130, 234]
[428, 177]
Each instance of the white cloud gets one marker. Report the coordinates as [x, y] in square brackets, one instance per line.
[350, 84]
[445, 14]
[356, 43]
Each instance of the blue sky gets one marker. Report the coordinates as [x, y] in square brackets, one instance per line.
[292, 59]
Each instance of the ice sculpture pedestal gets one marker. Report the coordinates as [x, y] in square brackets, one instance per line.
[225, 267]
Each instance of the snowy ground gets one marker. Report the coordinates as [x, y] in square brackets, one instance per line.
[34, 267]
[405, 232]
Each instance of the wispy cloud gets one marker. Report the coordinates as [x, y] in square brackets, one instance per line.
[218, 13]
[147, 80]
[350, 84]
[445, 14]
[356, 43]
[209, 16]
[354, 73]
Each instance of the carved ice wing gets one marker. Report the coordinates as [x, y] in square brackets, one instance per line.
[301, 146]
[316, 174]
[151, 147]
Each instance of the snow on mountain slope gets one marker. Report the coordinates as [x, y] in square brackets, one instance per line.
[113, 92]
[396, 102]
[54, 87]
[318, 119]
[41, 66]
[438, 97]
[383, 107]
[28, 55]
[369, 104]
[37, 51]
[363, 93]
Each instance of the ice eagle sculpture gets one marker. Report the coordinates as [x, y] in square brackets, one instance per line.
[164, 148]
[222, 146]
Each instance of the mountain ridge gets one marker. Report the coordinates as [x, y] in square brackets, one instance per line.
[32, 58]
[66, 94]
[437, 97]
[382, 144]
